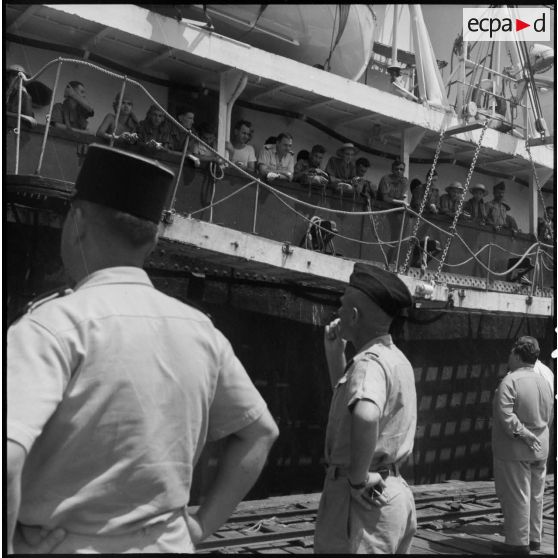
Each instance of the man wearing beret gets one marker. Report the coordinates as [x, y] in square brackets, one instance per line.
[366, 506]
[114, 388]
[449, 202]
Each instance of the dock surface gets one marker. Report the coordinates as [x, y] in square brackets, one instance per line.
[454, 517]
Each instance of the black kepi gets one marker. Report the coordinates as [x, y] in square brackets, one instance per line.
[382, 287]
[124, 181]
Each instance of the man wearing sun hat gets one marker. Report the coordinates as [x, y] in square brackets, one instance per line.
[114, 388]
[366, 506]
[475, 205]
[342, 169]
[450, 200]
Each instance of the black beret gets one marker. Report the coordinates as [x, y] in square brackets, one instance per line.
[383, 287]
[124, 181]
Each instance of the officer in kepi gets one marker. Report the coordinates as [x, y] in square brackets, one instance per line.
[114, 389]
[366, 506]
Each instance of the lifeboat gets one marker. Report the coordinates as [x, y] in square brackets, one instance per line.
[337, 37]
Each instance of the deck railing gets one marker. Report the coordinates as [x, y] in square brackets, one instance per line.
[321, 203]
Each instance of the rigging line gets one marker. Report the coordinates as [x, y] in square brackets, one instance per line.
[327, 60]
[387, 243]
[516, 265]
[189, 215]
[262, 9]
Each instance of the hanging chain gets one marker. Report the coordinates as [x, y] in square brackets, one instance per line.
[539, 189]
[461, 201]
[423, 202]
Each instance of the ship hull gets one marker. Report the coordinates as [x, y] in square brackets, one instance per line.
[276, 330]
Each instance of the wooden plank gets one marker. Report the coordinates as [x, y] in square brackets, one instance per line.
[421, 546]
[456, 540]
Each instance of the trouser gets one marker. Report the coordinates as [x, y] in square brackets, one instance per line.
[520, 489]
[170, 536]
[344, 526]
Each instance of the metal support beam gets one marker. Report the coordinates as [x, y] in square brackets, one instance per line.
[465, 128]
[153, 60]
[22, 18]
[96, 38]
[271, 91]
[353, 119]
[231, 85]
[410, 138]
[313, 105]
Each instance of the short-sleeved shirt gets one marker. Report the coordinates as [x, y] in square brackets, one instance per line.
[392, 185]
[475, 208]
[418, 194]
[381, 373]
[497, 215]
[162, 133]
[337, 168]
[524, 399]
[447, 205]
[270, 158]
[113, 391]
[244, 155]
[76, 113]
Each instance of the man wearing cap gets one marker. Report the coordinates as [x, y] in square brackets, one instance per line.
[366, 506]
[475, 206]
[341, 168]
[393, 186]
[114, 389]
[450, 201]
[522, 415]
[497, 210]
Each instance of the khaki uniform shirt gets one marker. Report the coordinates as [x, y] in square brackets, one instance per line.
[381, 373]
[113, 391]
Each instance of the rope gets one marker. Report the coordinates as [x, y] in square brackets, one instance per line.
[453, 227]
[386, 243]
[17, 131]
[373, 223]
[232, 194]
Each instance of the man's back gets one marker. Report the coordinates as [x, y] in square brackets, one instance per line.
[143, 381]
[525, 398]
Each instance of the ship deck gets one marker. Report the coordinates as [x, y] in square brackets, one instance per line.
[454, 517]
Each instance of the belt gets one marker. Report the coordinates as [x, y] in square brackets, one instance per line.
[342, 471]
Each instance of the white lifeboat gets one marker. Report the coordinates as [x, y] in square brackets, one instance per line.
[338, 37]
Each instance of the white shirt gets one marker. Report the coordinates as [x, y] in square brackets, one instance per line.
[545, 372]
[244, 155]
[113, 391]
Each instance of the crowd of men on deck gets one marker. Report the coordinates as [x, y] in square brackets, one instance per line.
[344, 174]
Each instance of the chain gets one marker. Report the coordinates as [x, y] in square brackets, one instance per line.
[423, 201]
[461, 201]
[539, 189]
